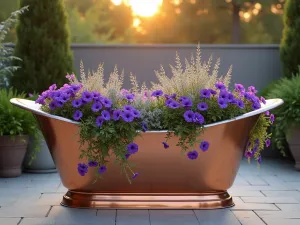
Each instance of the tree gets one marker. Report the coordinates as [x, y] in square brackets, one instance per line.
[6, 7]
[43, 45]
[290, 44]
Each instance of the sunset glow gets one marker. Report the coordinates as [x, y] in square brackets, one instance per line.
[144, 8]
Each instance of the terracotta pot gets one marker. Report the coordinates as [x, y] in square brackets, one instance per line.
[293, 139]
[12, 153]
[167, 178]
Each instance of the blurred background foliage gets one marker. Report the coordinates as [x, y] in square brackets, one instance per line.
[169, 21]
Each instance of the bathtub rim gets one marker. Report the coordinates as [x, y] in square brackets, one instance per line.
[35, 108]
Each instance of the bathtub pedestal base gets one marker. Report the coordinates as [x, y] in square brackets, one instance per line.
[211, 200]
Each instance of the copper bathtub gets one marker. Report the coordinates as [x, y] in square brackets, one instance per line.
[167, 178]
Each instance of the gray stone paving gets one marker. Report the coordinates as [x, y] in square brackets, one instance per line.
[269, 195]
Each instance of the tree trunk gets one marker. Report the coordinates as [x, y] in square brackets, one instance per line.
[236, 23]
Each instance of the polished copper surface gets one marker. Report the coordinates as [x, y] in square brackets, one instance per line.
[167, 178]
[148, 200]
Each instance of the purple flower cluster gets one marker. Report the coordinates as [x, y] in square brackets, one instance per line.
[57, 98]
[204, 145]
[82, 168]
[132, 148]
[193, 117]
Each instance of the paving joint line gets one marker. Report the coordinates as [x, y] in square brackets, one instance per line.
[47, 214]
[20, 220]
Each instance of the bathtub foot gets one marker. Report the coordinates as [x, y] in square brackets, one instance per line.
[212, 200]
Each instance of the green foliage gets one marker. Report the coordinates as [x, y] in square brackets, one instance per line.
[290, 47]
[43, 44]
[268, 88]
[13, 120]
[287, 115]
[6, 53]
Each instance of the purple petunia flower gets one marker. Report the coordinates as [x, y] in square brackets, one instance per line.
[157, 93]
[52, 87]
[263, 100]
[76, 103]
[240, 104]
[102, 169]
[135, 175]
[77, 115]
[96, 106]
[41, 100]
[129, 97]
[205, 93]
[127, 155]
[202, 106]
[144, 126]
[220, 85]
[64, 97]
[249, 154]
[223, 95]
[132, 148]
[189, 116]
[192, 155]
[56, 95]
[165, 145]
[213, 92]
[127, 116]
[53, 105]
[136, 113]
[204, 145]
[230, 98]
[255, 148]
[252, 89]
[106, 102]
[99, 121]
[59, 104]
[105, 114]
[198, 118]
[187, 103]
[87, 96]
[267, 113]
[82, 168]
[272, 118]
[116, 114]
[93, 164]
[182, 98]
[173, 104]
[128, 108]
[256, 105]
[239, 88]
[75, 87]
[95, 95]
[222, 103]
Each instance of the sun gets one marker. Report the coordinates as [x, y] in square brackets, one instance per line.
[143, 8]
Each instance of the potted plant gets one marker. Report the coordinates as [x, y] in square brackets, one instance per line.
[15, 126]
[39, 161]
[181, 140]
[287, 123]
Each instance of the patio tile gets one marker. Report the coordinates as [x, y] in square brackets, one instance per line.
[216, 217]
[60, 221]
[106, 216]
[9, 221]
[289, 207]
[240, 193]
[262, 188]
[133, 217]
[248, 218]
[269, 221]
[75, 216]
[240, 181]
[50, 199]
[173, 217]
[255, 180]
[269, 200]
[295, 185]
[292, 194]
[240, 205]
[279, 214]
[24, 211]
[61, 189]
[273, 181]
